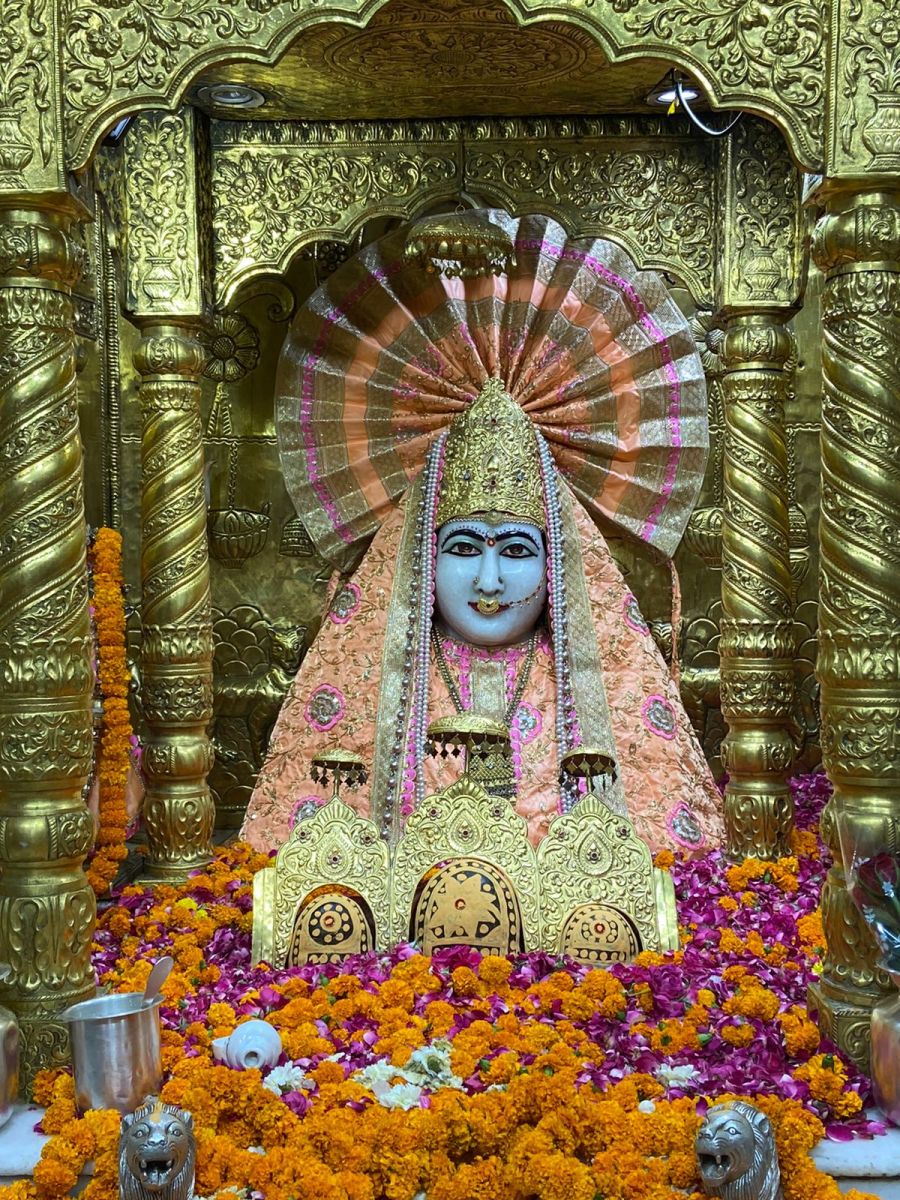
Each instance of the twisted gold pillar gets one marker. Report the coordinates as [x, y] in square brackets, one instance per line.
[857, 246]
[46, 906]
[756, 645]
[176, 655]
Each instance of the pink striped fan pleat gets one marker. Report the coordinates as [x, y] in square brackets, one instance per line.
[384, 355]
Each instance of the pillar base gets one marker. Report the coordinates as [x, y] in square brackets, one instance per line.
[154, 874]
[844, 1020]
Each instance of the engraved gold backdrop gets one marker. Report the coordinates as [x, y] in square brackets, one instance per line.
[650, 183]
[164, 272]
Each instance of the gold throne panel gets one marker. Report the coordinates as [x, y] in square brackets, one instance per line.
[331, 924]
[467, 902]
[602, 900]
[464, 829]
[334, 853]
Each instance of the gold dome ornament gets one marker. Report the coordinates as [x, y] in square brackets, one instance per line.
[461, 245]
[487, 748]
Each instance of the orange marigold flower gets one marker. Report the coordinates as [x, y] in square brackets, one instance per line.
[801, 1035]
[752, 1000]
[494, 971]
[465, 982]
[738, 1035]
[440, 1016]
[729, 942]
[812, 932]
[220, 1014]
[52, 1179]
[804, 843]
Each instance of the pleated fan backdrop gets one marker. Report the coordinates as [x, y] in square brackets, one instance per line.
[385, 354]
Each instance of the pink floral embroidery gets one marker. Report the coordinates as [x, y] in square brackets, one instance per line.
[659, 717]
[303, 808]
[634, 618]
[325, 707]
[684, 827]
[345, 604]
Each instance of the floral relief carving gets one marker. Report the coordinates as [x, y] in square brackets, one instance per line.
[265, 198]
[160, 212]
[750, 48]
[764, 216]
[25, 42]
[278, 184]
[870, 83]
[141, 51]
[771, 53]
[662, 197]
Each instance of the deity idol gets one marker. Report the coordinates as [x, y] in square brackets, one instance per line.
[477, 425]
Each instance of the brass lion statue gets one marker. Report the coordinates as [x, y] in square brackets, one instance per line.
[736, 1154]
[157, 1153]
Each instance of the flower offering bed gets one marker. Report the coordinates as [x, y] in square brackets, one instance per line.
[466, 1078]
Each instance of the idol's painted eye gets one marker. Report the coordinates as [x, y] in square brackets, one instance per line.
[518, 550]
[462, 548]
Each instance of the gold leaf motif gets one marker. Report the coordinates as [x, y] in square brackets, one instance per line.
[277, 184]
[770, 55]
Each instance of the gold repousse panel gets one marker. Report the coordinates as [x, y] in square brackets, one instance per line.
[443, 59]
[770, 62]
[334, 846]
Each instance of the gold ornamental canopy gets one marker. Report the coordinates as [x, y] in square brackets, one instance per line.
[461, 245]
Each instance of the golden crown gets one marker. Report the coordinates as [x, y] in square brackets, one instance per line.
[491, 462]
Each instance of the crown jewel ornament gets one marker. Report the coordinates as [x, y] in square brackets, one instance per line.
[491, 462]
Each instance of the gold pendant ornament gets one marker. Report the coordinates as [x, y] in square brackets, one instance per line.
[461, 245]
[487, 606]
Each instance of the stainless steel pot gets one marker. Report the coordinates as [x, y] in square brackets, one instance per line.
[116, 1050]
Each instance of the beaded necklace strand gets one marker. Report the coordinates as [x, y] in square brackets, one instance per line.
[521, 684]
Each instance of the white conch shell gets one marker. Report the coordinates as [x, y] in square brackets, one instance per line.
[253, 1044]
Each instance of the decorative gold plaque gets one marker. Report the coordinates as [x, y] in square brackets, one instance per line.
[463, 873]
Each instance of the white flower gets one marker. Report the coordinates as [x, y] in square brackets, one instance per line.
[401, 1095]
[680, 1077]
[646, 1106]
[430, 1067]
[375, 1073]
[286, 1079]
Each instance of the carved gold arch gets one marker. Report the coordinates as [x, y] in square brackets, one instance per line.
[643, 182]
[769, 59]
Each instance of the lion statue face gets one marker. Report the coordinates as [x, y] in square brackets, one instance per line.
[156, 1153]
[736, 1154]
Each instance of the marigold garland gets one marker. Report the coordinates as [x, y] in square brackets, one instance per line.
[114, 754]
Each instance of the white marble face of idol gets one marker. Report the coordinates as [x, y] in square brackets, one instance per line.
[490, 580]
